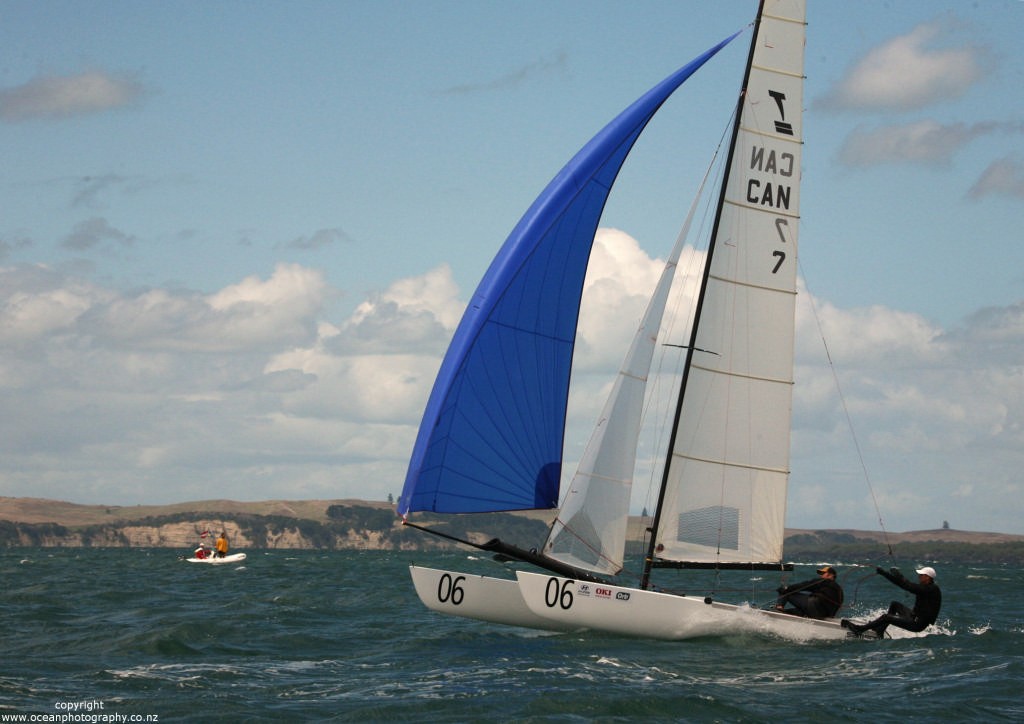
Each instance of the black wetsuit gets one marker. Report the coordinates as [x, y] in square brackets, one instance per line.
[817, 598]
[927, 603]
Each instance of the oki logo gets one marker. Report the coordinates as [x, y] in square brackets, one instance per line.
[603, 592]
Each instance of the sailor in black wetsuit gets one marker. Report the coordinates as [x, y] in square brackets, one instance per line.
[927, 603]
[817, 598]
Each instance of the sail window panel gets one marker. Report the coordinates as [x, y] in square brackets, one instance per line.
[715, 527]
[575, 547]
[724, 514]
[593, 537]
[736, 421]
[747, 331]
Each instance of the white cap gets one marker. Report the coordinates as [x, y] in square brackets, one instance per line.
[926, 571]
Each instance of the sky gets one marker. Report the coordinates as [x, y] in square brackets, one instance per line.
[235, 237]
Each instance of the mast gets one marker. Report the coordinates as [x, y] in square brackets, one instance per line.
[649, 557]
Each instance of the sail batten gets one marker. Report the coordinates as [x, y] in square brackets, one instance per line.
[742, 375]
[730, 463]
[777, 212]
[753, 285]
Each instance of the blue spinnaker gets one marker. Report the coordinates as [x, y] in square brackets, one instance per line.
[492, 432]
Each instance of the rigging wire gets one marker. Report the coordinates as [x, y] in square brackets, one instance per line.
[846, 412]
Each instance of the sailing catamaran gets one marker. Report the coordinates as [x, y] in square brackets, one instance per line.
[491, 435]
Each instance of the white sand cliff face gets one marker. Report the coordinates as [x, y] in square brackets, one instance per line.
[187, 535]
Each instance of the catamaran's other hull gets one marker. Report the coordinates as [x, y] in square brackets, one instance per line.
[496, 600]
[649, 614]
[232, 558]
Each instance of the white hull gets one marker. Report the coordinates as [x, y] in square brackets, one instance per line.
[649, 614]
[548, 602]
[495, 600]
[233, 558]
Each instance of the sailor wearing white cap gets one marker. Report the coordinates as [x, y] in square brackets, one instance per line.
[927, 602]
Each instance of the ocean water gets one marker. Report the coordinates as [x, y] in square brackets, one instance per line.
[341, 636]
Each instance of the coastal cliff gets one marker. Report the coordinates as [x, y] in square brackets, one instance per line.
[369, 525]
[325, 525]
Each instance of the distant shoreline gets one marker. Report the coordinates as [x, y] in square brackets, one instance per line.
[43, 510]
[373, 525]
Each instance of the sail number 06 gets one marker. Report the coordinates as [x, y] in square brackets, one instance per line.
[449, 590]
[558, 595]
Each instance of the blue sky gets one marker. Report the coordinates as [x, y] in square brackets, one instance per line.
[236, 236]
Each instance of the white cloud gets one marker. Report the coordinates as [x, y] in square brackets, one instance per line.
[251, 393]
[935, 412]
[434, 294]
[867, 334]
[918, 142]
[907, 73]
[124, 388]
[251, 314]
[379, 365]
[39, 303]
[64, 96]
[619, 279]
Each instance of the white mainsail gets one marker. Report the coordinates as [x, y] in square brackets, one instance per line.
[725, 489]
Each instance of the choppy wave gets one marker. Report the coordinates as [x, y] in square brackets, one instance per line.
[342, 636]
